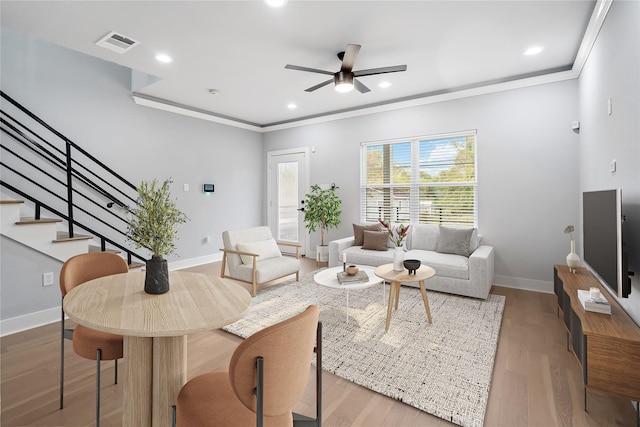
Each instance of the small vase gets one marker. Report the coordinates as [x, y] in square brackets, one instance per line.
[156, 279]
[398, 257]
[573, 260]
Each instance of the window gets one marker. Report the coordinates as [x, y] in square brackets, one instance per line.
[426, 180]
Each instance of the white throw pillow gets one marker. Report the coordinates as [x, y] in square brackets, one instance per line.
[265, 249]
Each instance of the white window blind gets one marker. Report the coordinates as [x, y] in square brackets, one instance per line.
[427, 180]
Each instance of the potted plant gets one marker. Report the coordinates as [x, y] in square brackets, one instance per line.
[322, 211]
[152, 225]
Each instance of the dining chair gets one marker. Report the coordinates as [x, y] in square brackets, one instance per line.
[89, 343]
[267, 376]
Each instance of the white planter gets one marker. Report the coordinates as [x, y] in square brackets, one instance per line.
[322, 253]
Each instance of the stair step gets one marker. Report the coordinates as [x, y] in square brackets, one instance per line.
[93, 248]
[63, 236]
[26, 221]
[136, 265]
[11, 202]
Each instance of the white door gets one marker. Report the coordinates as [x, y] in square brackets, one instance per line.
[287, 184]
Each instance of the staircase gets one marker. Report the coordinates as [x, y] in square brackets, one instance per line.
[43, 234]
[42, 170]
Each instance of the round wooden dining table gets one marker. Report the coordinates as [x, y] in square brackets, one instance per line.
[155, 329]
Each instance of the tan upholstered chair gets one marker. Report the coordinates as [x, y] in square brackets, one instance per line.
[267, 376]
[89, 343]
[252, 256]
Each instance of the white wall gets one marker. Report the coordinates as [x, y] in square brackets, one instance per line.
[89, 101]
[613, 71]
[527, 169]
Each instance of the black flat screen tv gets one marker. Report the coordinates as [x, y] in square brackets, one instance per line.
[602, 239]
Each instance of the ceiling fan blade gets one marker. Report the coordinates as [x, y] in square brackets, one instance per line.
[349, 59]
[310, 70]
[360, 87]
[381, 70]
[318, 86]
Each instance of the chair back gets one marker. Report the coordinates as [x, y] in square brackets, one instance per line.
[287, 349]
[231, 238]
[84, 267]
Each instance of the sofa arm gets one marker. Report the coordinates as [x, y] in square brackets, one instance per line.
[481, 265]
[336, 247]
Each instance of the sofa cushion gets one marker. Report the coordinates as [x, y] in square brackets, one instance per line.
[454, 240]
[423, 236]
[265, 249]
[375, 240]
[445, 265]
[358, 231]
[357, 255]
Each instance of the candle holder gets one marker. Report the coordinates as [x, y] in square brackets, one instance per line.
[344, 266]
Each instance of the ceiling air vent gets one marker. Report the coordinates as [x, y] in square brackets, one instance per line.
[117, 42]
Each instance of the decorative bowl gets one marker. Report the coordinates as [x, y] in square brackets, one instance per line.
[351, 270]
[412, 265]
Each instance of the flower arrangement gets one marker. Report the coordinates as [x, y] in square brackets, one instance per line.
[397, 234]
[569, 230]
[153, 221]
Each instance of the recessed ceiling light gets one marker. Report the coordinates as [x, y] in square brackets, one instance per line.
[384, 84]
[214, 91]
[276, 3]
[164, 58]
[292, 106]
[533, 50]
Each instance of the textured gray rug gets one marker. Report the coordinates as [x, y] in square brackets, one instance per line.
[444, 368]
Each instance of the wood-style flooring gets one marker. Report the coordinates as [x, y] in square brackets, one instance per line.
[536, 382]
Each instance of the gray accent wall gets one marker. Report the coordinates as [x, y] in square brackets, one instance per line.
[527, 169]
[613, 71]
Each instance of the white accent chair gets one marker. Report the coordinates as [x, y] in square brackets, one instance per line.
[252, 256]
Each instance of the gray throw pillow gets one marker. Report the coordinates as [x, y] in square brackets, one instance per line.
[454, 240]
[375, 240]
[358, 230]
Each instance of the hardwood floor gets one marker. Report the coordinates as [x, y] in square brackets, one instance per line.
[536, 382]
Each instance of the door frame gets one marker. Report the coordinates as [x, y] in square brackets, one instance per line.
[271, 218]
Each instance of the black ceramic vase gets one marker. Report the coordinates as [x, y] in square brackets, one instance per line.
[156, 280]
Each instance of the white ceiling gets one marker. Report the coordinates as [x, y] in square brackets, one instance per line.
[240, 48]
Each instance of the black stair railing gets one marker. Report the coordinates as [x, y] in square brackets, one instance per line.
[45, 167]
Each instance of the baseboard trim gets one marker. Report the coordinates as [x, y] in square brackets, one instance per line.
[192, 262]
[524, 284]
[29, 321]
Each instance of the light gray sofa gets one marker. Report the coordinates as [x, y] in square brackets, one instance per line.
[470, 275]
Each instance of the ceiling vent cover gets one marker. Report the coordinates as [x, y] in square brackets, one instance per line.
[117, 42]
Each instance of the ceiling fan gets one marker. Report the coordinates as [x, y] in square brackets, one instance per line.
[345, 79]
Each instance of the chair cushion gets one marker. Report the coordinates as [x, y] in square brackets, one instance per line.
[87, 341]
[375, 240]
[267, 270]
[209, 400]
[265, 249]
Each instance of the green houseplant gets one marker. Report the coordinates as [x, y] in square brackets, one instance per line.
[152, 225]
[322, 211]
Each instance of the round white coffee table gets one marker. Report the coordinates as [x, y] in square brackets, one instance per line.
[329, 279]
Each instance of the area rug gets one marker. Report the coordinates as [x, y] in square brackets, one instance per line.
[444, 368]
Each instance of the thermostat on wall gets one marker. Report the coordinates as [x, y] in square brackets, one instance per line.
[207, 188]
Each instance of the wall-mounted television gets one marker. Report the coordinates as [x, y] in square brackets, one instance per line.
[602, 239]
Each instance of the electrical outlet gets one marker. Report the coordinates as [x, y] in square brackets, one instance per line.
[47, 279]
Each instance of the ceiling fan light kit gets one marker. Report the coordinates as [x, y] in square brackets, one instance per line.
[345, 79]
